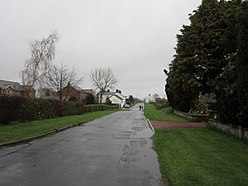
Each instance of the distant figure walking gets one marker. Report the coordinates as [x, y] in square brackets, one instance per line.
[140, 107]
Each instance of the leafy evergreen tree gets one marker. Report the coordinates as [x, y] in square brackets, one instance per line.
[202, 53]
[226, 93]
[242, 64]
[226, 82]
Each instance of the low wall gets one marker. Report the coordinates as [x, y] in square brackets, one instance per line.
[239, 132]
[193, 117]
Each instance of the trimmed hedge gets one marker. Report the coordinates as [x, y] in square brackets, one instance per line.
[27, 109]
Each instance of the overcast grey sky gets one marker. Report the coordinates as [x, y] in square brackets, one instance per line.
[136, 38]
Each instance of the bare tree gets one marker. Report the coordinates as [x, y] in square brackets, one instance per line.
[58, 77]
[103, 79]
[42, 53]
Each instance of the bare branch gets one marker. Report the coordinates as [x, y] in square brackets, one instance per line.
[103, 78]
[42, 53]
[58, 77]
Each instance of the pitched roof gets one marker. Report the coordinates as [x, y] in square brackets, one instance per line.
[77, 88]
[16, 86]
[107, 93]
[117, 97]
[111, 94]
[87, 89]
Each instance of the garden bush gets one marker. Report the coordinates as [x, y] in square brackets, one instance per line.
[73, 108]
[9, 108]
[27, 109]
[161, 103]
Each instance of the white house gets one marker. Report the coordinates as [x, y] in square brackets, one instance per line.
[116, 98]
[151, 98]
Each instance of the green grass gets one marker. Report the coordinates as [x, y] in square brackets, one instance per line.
[164, 114]
[201, 157]
[18, 131]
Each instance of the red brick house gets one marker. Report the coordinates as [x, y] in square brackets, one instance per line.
[9, 88]
[75, 92]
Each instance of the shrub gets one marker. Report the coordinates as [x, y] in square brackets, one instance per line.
[27, 109]
[161, 103]
[9, 108]
[73, 98]
[74, 108]
[36, 109]
[89, 99]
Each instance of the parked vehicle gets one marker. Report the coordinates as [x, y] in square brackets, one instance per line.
[126, 106]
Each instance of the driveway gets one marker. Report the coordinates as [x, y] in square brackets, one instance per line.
[179, 124]
[113, 150]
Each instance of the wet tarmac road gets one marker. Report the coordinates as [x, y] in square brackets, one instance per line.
[113, 150]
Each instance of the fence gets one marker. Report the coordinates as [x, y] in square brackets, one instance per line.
[192, 117]
[238, 131]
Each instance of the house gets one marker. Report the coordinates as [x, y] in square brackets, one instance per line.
[10, 88]
[74, 92]
[151, 98]
[46, 93]
[116, 98]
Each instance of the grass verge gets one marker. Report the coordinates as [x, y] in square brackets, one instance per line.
[164, 114]
[201, 157]
[19, 131]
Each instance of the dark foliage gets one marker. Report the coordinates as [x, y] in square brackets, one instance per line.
[27, 109]
[89, 99]
[242, 64]
[212, 58]
[130, 100]
[108, 101]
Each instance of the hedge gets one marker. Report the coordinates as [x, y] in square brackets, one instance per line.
[26, 109]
